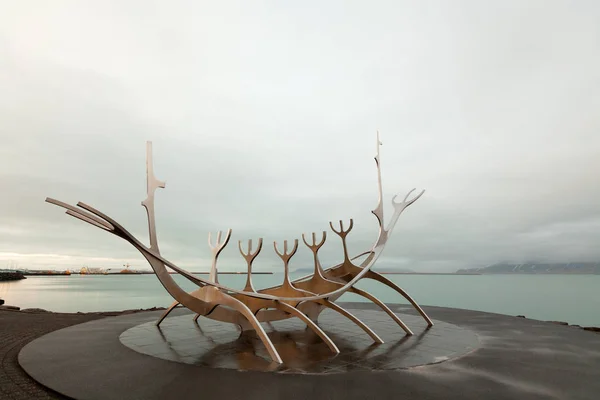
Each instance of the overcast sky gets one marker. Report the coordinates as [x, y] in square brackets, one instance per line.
[263, 117]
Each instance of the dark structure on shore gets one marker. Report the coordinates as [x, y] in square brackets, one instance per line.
[11, 276]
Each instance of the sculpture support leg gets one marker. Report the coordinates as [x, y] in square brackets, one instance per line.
[382, 279]
[351, 317]
[245, 311]
[385, 308]
[297, 313]
[167, 312]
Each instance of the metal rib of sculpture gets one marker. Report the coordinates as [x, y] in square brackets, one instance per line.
[304, 298]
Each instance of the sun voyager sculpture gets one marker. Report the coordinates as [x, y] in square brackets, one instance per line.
[304, 298]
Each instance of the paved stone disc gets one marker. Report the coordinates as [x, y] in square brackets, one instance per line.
[216, 344]
[515, 358]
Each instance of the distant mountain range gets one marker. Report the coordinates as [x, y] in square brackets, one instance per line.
[380, 270]
[537, 268]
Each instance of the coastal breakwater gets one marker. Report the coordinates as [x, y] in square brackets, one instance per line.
[11, 276]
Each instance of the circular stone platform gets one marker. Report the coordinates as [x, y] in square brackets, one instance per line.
[220, 345]
[475, 355]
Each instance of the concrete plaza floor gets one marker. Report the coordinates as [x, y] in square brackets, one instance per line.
[516, 358]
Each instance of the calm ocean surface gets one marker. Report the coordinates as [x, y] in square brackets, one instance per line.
[571, 298]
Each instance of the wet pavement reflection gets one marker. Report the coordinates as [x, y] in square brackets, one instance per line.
[215, 344]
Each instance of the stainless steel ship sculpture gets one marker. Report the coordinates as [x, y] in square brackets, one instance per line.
[304, 298]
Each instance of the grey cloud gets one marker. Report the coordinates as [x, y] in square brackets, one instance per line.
[263, 119]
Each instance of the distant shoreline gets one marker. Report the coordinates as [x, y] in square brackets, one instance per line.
[62, 273]
[429, 273]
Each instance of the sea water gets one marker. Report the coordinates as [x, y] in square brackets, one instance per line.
[571, 298]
